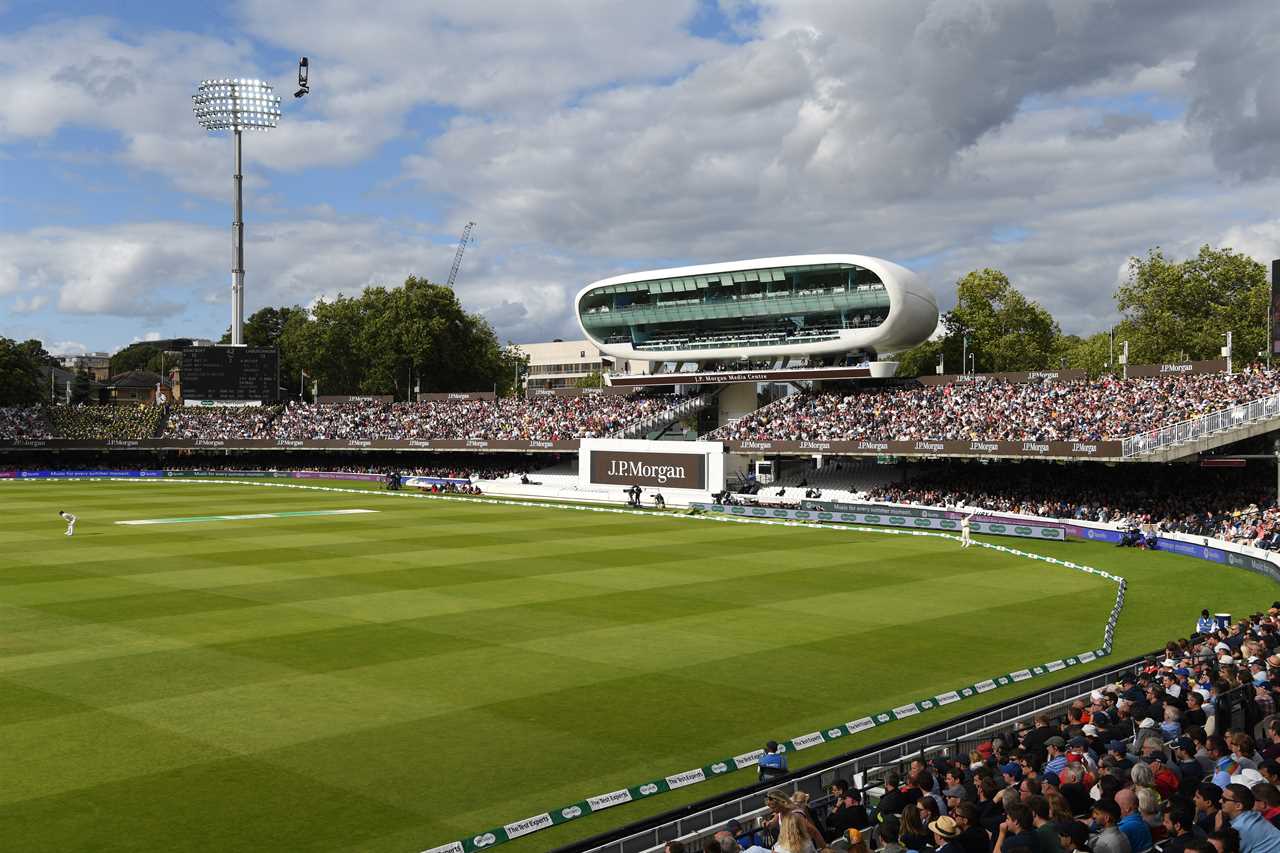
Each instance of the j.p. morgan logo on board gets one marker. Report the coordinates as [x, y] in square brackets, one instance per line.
[672, 470]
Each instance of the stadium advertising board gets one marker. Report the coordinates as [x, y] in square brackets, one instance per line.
[669, 470]
[891, 517]
[837, 506]
[355, 398]
[926, 447]
[457, 395]
[626, 462]
[1065, 375]
[577, 392]
[231, 373]
[1144, 371]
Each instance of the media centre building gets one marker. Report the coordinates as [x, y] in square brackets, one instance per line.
[821, 309]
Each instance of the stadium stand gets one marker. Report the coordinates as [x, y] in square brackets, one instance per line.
[106, 422]
[997, 410]
[538, 419]
[1158, 755]
[20, 423]
[1223, 503]
[240, 421]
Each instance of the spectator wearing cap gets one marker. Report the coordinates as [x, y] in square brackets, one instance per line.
[1106, 815]
[1118, 751]
[773, 764]
[1190, 771]
[1011, 773]
[1056, 747]
[1256, 834]
[1208, 802]
[1017, 830]
[1131, 822]
[946, 835]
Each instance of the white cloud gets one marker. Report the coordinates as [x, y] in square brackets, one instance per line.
[589, 138]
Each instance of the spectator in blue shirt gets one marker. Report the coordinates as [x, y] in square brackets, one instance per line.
[1131, 822]
[1205, 624]
[1257, 835]
[773, 764]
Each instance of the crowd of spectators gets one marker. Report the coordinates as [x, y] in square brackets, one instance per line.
[1181, 755]
[220, 422]
[1225, 503]
[106, 423]
[18, 422]
[506, 419]
[998, 410]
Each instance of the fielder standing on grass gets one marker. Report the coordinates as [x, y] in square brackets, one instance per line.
[70, 520]
[966, 530]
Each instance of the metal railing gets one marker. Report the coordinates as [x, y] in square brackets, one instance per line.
[1232, 417]
[713, 812]
[666, 416]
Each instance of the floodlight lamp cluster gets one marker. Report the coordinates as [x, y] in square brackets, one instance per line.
[236, 104]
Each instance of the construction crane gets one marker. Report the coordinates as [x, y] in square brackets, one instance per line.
[457, 256]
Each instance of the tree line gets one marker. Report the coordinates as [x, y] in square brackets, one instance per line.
[1170, 311]
[391, 340]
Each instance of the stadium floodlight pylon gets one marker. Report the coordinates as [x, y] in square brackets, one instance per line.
[236, 104]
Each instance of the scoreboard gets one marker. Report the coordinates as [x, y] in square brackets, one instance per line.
[231, 373]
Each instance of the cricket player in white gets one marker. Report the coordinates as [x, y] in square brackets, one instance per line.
[70, 520]
[966, 530]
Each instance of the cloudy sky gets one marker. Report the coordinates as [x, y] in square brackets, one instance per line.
[1050, 138]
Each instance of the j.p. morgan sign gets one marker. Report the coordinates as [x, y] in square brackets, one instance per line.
[671, 470]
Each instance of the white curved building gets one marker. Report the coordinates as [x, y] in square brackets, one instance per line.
[819, 306]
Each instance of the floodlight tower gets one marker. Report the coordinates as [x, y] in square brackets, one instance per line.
[236, 105]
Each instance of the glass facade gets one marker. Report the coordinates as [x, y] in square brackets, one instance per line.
[762, 307]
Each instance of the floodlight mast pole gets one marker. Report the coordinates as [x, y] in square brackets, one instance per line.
[237, 251]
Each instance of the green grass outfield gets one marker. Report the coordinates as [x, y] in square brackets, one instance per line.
[395, 681]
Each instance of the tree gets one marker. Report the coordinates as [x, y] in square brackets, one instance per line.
[595, 379]
[20, 365]
[81, 389]
[144, 355]
[1172, 308]
[372, 343]
[1006, 330]
[1091, 354]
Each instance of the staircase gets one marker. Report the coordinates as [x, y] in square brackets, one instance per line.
[1196, 435]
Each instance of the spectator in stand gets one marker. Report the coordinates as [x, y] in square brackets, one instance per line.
[505, 419]
[995, 410]
[22, 423]
[1180, 826]
[220, 422]
[1106, 816]
[106, 423]
[1257, 835]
